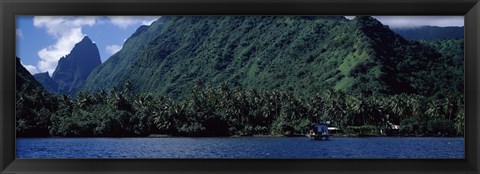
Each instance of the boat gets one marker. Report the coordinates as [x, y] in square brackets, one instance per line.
[319, 132]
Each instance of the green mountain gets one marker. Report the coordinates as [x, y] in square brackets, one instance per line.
[453, 48]
[301, 54]
[430, 33]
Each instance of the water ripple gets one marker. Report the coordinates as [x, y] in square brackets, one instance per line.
[245, 147]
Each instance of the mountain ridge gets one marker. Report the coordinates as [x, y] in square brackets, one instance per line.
[305, 55]
[47, 82]
[431, 33]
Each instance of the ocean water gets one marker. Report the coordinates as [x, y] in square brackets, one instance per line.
[243, 147]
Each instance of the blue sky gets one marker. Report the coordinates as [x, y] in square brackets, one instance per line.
[43, 40]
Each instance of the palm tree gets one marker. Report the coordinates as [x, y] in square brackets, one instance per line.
[83, 100]
[356, 106]
[128, 86]
[169, 115]
[398, 105]
[434, 109]
[336, 106]
[448, 107]
[460, 121]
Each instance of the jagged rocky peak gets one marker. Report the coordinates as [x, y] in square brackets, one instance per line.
[84, 51]
[47, 82]
[44, 74]
[73, 69]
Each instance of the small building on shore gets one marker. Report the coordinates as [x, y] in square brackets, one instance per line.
[334, 130]
[392, 129]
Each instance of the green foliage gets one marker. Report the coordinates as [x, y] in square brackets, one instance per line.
[282, 128]
[353, 60]
[441, 127]
[451, 67]
[344, 84]
[222, 111]
[412, 126]
[431, 33]
[460, 122]
[362, 130]
[304, 55]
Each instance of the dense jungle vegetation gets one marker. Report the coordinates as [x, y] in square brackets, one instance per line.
[223, 112]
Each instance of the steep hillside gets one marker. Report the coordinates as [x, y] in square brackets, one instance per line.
[453, 48]
[24, 80]
[304, 55]
[111, 72]
[33, 105]
[431, 33]
[452, 51]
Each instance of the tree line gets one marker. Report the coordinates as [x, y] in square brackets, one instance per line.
[222, 111]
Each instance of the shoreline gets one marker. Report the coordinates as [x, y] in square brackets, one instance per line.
[254, 136]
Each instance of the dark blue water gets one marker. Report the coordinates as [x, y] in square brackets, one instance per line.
[245, 147]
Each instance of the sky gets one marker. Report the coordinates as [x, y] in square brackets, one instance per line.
[417, 21]
[43, 40]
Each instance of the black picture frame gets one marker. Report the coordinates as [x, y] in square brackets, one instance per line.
[10, 8]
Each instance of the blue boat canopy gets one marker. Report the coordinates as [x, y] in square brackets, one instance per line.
[322, 128]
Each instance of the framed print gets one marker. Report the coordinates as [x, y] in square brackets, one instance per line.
[239, 87]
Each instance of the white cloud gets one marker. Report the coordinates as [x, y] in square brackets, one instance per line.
[19, 32]
[57, 25]
[112, 49]
[126, 21]
[417, 21]
[148, 21]
[32, 69]
[349, 17]
[67, 31]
